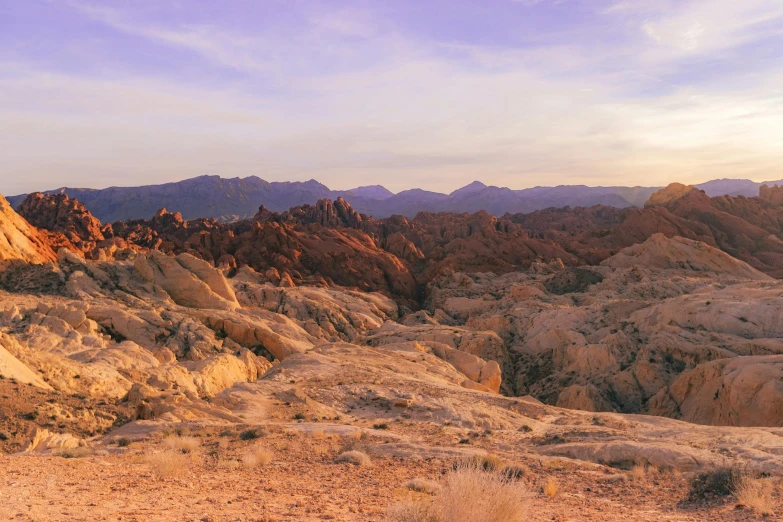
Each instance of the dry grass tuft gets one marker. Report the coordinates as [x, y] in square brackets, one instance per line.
[412, 511]
[754, 493]
[471, 494]
[75, 453]
[167, 463]
[359, 435]
[421, 485]
[354, 457]
[638, 473]
[182, 444]
[354, 441]
[258, 456]
[551, 487]
[487, 462]
[515, 471]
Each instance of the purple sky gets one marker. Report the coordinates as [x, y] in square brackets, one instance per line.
[425, 93]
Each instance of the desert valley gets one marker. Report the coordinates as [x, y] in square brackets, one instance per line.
[570, 363]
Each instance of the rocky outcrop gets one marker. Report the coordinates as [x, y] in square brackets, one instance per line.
[19, 240]
[12, 368]
[324, 213]
[658, 311]
[325, 313]
[189, 281]
[773, 194]
[668, 195]
[677, 252]
[484, 344]
[60, 214]
[739, 391]
[486, 374]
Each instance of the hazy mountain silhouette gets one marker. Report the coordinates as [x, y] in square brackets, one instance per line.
[235, 198]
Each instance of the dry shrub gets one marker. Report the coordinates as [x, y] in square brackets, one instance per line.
[638, 473]
[421, 485]
[754, 493]
[258, 456]
[354, 457]
[515, 471]
[470, 494]
[615, 478]
[167, 463]
[713, 483]
[412, 511]
[182, 444]
[354, 441]
[252, 434]
[487, 462]
[551, 487]
[75, 453]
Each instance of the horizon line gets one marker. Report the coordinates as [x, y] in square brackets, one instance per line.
[382, 186]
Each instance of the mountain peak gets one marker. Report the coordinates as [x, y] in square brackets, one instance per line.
[372, 192]
[476, 186]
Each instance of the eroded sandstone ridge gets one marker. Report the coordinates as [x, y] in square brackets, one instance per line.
[19, 240]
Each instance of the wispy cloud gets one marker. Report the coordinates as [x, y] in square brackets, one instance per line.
[700, 26]
[217, 45]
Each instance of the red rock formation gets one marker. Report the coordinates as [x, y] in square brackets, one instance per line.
[749, 229]
[324, 212]
[70, 224]
[330, 243]
[772, 194]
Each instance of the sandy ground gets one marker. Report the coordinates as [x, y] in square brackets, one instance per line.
[303, 482]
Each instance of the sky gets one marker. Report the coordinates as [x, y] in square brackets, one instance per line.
[405, 93]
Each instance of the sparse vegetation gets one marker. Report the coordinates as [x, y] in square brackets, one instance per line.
[249, 434]
[356, 457]
[167, 463]
[258, 456]
[182, 444]
[420, 485]
[123, 442]
[515, 471]
[639, 473]
[486, 462]
[714, 483]
[551, 487]
[754, 493]
[469, 494]
[413, 510]
[75, 453]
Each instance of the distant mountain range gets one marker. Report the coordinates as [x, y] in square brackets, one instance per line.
[237, 198]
